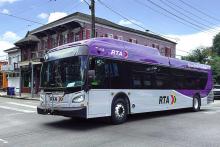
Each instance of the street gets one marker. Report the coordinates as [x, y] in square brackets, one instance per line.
[21, 126]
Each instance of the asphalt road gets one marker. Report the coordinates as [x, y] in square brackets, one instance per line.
[20, 126]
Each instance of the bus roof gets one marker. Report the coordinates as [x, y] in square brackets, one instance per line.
[123, 50]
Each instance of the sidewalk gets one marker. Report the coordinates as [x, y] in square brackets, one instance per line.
[26, 96]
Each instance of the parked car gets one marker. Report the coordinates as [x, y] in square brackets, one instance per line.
[216, 92]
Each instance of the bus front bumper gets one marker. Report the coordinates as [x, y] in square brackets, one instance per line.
[67, 112]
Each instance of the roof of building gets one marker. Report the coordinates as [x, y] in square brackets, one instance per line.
[13, 49]
[27, 38]
[86, 17]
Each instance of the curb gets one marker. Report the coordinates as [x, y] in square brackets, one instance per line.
[17, 97]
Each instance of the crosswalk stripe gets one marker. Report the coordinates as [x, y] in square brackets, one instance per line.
[16, 109]
[25, 105]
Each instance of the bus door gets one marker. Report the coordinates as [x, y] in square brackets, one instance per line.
[99, 93]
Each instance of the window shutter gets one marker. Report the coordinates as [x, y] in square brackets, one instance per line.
[48, 42]
[88, 33]
[61, 39]
[81, 34]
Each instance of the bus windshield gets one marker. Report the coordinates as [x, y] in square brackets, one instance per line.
[64, 73]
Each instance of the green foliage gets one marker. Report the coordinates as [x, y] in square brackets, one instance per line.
[201, 55]
[209, 56]
[215, 63]
[216, 44]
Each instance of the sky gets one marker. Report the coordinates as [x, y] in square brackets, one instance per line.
[191, 23]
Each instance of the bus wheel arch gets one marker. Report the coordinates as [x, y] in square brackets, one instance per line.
[120, 108]
[196, 102]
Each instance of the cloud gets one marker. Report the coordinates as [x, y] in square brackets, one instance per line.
[132, 24]
[55, 16]
[10, 36]
[5, 11]
[43, 16]
[187, 43]
[7, 41]
[4, 45]
[7, 1]
[128, 23]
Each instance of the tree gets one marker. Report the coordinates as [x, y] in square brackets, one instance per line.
[201, 55]
[216, 44]
[215, 63]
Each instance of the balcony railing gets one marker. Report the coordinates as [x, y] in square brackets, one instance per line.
[37, 55]
[10, 67]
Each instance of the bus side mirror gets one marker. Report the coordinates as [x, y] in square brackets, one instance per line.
[91, 74]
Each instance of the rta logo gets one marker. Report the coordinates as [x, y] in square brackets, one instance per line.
[167, 99]
[119, 53]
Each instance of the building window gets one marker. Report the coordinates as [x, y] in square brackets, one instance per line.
[167, 52]
[109, 35]
[132, 40]
[61, 39]
[77, 37]
[42, 44]
[88, 33]
[65, 37]
[120, 37]
[153, 45]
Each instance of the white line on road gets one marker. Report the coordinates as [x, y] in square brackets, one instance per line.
[4, 141]
[25, 105]
[212, 112]
[16, 109]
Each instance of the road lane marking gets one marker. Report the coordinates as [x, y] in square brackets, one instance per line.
[4, 141]
[212, 112]
[16, 109]
[25, 105]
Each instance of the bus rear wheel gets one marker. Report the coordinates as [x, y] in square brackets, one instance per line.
[119, 111]
[196, 103]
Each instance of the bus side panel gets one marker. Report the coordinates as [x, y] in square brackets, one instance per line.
[158, 100]
[99, 103]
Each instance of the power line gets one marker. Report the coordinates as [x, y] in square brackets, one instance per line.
[168, 16]
[136, 24]
[183, 19]
[121, 15]
[191, 13]
[21, 18]
[196, 9]
[190, 18]
[32, 7]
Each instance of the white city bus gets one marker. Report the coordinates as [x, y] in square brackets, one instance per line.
[110, 78]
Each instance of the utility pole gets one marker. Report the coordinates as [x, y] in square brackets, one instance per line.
[92, 8]
[32, 80]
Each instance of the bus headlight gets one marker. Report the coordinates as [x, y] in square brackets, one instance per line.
[78, 99]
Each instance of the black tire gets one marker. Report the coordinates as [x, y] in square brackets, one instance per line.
[196, 103]
[119, 111]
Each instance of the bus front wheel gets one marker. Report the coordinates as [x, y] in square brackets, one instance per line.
[119, 111]
[196, 103]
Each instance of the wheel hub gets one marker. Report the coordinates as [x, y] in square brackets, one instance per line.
[119, 111]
